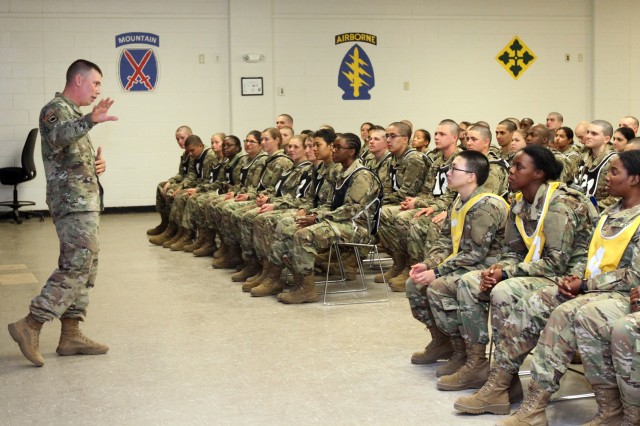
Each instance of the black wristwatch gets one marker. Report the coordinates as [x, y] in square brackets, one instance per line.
[504, 276]
[583, 287]
[436, 272]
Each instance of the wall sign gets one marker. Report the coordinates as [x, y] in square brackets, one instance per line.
[138, 67]
[355, 76]
[251, 86]
[515, 57]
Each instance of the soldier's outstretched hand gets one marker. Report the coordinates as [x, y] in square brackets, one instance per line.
[100, 112]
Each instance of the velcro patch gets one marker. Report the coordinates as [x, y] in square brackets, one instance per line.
[51, 117]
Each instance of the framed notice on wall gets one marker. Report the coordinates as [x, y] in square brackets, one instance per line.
[251, 86]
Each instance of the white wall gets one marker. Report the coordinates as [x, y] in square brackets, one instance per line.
[445, 50]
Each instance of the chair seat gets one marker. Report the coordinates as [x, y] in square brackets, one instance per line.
[13, 175]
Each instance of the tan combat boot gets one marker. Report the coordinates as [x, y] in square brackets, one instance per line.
[222, 250]
[251, 268]
[231, 258]
[472, 375]
[492, 398]
[26, 333]
[272, 284]
[168, 234]
[73, 342]
[399, 265]
[164, 221]
[186, 239]
[255, 280]
[399, 282]
[305, 292]
[208, 247]
[609, 407]
[456, 361]
[197, 243]
[631, 414]
[175, 238]
[439, 348]
[532, 410]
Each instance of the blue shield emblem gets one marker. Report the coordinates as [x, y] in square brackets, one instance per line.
[356, 75]
[138, 70]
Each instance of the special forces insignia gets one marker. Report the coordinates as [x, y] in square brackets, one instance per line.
[356, 75]
[138, 67]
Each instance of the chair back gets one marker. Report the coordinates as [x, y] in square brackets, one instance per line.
[28, 163]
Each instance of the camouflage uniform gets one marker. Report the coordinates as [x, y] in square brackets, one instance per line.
[230, 176]
[199, 173]
[163, 204]
[313, 202]
[291, 187]
[559, 339]
[413, 237]
[213, 180]
[626, 357]
[382, 169]
[573, 155]
[407, 175]
[74, 197]
[497, 182]
[567, 229]
[231, 213]
[339, 223]
[591, 176]
[479, 246]
[252, 170]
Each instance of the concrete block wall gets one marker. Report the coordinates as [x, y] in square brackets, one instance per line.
[444, 50]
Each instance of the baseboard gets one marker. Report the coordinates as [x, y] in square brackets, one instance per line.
[107, 210]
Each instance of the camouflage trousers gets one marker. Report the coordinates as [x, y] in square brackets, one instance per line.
[177, 207]
[282, 240]
[443, 299]
[594, 327]
[194, 212]
[521, 329]
[474, 304]
[421, 301]
[317, 238]
[264, 229]
[163, 203]
[247, 221]
[416, 235]
[626, 357]
[557, 344]
[211, 216]
[66, 292]
[387, 234]
[227, 215]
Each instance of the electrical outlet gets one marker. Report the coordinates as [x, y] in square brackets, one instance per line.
[406, 85]
[201, 58]
[567, 57]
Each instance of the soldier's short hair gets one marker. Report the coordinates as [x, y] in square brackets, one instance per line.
[633, 144]
[193, 140]
[477, 163]
[544, 160]
[185, 129]
[403, 128]
[353, 141]
[484, 131]
[454, 129]
[326, 135]
[631, 161]
[509, 124]
[273, 132]
[607, 128]
[288, 118]
[236, 140]
[81, 66]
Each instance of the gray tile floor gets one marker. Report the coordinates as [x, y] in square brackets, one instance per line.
[188, 347]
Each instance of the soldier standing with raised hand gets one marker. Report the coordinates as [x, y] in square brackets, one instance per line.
[74, 197]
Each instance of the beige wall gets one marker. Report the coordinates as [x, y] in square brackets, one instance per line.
[445, 50]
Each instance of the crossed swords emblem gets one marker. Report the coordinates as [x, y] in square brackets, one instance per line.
[138, 75]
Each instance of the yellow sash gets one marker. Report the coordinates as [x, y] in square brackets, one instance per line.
[458, 217]
[535, 242]
[605, 252]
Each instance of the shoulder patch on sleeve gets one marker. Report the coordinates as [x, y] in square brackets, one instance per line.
[50, 116]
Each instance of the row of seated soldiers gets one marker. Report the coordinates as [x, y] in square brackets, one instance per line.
[535, 265]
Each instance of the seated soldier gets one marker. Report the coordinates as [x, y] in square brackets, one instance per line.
[610, 270]
[563, 143]
[354, 191]
[471, 238]
[546, 236]
[165, 189]
[504, 133]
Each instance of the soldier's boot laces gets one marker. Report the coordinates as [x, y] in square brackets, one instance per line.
[472, 375]
[26, 333]
[457, 360]
[532, 410]
[492, 398]
[168, 233]
[609, 407]
[439, 348]
[303, 293]
[73, 342]
[399, 283]
[272, 284]
[186, 239]
[255, 280]
[197, 243]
